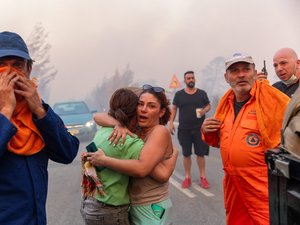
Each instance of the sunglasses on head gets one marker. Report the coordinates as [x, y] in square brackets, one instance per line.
[155, 89]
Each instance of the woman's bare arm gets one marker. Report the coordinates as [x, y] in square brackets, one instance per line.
[120, 132]
[105, 120]
[152, 153]
[164, 169]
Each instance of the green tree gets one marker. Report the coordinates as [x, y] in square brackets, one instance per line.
[42, 69]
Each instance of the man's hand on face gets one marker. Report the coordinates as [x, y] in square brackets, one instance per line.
[8, 101]
[27, 89]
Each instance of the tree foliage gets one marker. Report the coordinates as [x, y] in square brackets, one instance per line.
[39, 50]
[100, 95]
[212, 80]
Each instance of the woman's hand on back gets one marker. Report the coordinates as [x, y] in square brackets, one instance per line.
[118, 133]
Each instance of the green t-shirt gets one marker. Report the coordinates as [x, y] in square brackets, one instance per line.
[115, 183]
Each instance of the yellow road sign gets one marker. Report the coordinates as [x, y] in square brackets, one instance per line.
[174, 82]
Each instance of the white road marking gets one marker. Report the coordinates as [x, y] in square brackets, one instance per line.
[202, 190]
[178, 186]
[194, 186]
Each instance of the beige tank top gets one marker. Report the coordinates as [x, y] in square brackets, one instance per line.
[146, 190]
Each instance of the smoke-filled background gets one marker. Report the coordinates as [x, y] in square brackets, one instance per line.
[94, 46]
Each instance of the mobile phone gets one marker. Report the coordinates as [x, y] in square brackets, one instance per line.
[91, 147]
[264, 69]
[158, 210]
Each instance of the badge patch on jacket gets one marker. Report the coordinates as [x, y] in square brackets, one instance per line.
[252, 139]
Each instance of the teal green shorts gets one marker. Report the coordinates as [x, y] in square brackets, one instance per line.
[153, 214]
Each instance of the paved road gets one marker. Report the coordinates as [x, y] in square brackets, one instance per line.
[193, 206]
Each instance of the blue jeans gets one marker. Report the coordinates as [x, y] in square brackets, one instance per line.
[95, 212]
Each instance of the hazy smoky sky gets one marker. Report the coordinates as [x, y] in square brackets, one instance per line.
[158, 38]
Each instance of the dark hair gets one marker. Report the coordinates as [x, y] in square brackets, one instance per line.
[188, 72]
[29, 64]
[164, 104]
[122, 105]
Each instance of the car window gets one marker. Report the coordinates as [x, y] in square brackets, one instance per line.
[71, 108]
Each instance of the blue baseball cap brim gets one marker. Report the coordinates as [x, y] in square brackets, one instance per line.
[14, 52]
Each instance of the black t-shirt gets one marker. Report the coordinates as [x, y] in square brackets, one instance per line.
[237, 106]
[187, 105]
[288, 90]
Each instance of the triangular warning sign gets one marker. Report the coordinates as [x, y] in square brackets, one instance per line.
[174, 82]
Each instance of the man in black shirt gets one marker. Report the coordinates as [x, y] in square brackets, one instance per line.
[192, 103]
[287, 68]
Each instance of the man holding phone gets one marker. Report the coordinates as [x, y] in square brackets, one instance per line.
[241, 129]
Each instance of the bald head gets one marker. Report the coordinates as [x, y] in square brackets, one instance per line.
[286, 64]
[285, 52]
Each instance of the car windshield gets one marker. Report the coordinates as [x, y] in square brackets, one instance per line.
[71, 108]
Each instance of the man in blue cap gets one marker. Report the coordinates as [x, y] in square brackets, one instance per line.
[30, 134]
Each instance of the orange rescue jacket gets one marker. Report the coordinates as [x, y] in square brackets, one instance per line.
[243, 141]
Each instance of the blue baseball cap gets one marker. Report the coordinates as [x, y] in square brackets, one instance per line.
[11, 44]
